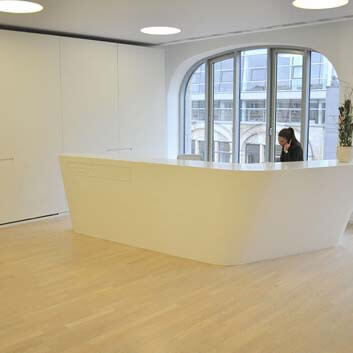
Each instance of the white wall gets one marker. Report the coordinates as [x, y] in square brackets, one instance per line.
[63, 95]
[331, 39]
[142, 101]
[89, 95]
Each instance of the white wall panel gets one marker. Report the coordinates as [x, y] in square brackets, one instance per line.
[89, 95]
[142, 100]
[30, 134]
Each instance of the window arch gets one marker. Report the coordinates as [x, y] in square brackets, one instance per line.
[234, 105]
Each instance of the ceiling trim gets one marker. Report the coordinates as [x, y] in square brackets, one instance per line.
[257, 30]
[72, 35]
[176, 42]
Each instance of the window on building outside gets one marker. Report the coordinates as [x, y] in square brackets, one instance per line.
[252, 153]
[223, 152]
[278, 152]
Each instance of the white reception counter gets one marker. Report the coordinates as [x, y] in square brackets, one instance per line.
[225, 214]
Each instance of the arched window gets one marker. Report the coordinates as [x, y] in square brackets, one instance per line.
[235, 104]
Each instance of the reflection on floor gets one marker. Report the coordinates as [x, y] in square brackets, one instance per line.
[66, 293]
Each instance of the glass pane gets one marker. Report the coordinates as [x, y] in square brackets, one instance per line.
[288, 95]
[223, 110]
[195, 113]
[324, 100]
[253, 106]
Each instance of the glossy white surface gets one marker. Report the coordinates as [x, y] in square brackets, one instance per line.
[215, 213]
[212, 165]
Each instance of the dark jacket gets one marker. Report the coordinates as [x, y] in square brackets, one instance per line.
[295, 153]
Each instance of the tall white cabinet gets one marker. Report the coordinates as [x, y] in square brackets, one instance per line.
[30, 133]
[89, 95]
[142, 100]
[71, 95]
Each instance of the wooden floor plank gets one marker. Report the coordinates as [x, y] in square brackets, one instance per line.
[66, 293]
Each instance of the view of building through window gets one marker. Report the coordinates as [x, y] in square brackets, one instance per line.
[253, 105]
[195, 113]
[223, 73]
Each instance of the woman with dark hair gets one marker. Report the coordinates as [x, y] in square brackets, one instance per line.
[291, 148]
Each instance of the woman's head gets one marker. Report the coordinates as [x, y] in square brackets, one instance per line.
[286, 136]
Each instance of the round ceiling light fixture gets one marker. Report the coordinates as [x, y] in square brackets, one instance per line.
[19, 6]
[160, 31]
[319, 4]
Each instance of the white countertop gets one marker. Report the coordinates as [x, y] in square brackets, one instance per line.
[222, 166]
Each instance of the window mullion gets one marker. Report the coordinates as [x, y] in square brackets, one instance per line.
[209, 111]
[271, 102]
[236, 107]
[306, 103]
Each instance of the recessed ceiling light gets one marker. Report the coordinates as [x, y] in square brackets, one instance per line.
[319, 4]
[160, 31]
[19, 6]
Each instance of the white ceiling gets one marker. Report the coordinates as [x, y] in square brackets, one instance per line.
[122, 19]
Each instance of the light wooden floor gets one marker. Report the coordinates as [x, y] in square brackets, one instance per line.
[65, 293]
